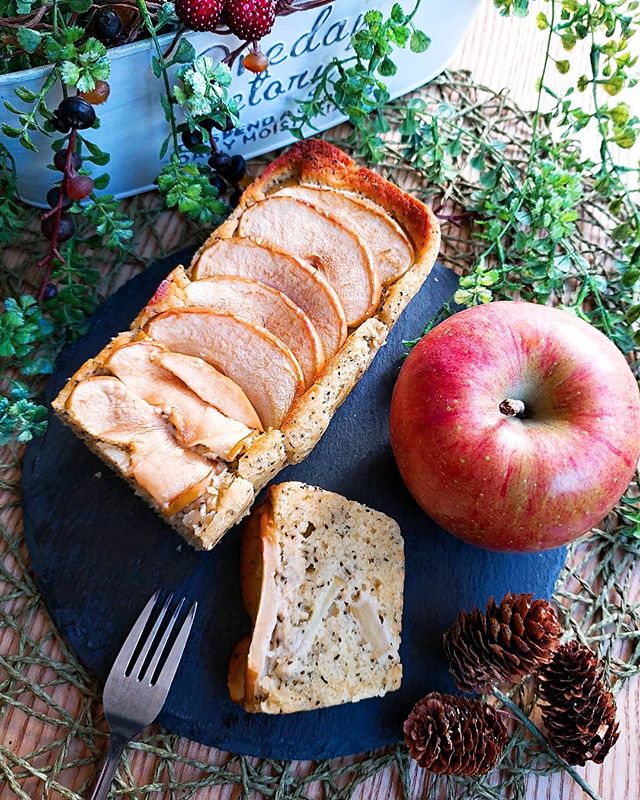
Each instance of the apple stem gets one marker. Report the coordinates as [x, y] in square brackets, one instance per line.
[512, 408]
[537, 734]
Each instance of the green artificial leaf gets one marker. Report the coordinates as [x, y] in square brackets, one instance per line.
[29, 39]
[102, 181]
[203, 90]
[397, 13]
[419, 42]
[97, 156]
[374, 18]
[387, 68]
[26, 95]
[10, 131]
[620, 113]
[21, 419]
[625, 137]
[70, 73]
[72, 34]
[185, 53]
[79, 6]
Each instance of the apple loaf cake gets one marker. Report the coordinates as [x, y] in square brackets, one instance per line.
[236, 365]
[322, 579]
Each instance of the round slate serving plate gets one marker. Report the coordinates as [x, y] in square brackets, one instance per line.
[98, 554]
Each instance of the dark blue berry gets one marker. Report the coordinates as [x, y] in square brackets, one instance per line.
[60, 159]
[76, 112]
[58, 124]
[50, 291]
[66, 227]
[219, 161]
[218, 183]
[235, 170]
[108, 24]
[53, 195]
[191, 139]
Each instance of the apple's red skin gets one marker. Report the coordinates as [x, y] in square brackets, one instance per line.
[506, 483]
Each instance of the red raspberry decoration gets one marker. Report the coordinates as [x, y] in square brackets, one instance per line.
[250, 19]
[200, 15]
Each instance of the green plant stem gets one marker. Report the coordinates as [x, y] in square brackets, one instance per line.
[604, 142]
[146, 18]
[537, 734]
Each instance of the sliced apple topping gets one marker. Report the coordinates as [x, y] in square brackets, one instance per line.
[211, 386]
[391, 249]
[196, 422]
[326, 242]
[365, 610]
[251, 356]
[103, 407]
[266, 307]
[303, 284]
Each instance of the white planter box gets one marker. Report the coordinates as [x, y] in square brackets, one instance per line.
[132, 123]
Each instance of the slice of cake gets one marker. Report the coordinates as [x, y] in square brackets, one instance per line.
[322, 579]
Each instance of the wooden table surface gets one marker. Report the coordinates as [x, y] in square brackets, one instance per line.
[501, 53]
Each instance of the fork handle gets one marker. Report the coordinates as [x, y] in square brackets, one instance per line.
[105, 778]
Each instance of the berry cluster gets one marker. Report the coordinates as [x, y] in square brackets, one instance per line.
[226, 171]
[249, 20]
[74, 114]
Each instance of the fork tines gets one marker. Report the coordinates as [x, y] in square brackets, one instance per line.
[154, 647]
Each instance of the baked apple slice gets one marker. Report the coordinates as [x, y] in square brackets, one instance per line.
[306, 286]
[266, 307]
[251, 356]
[102, 407]
[195, 422]
[390, 247]
[210, 385]
[326, 242]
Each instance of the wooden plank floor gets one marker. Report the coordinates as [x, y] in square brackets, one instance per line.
[501, 53]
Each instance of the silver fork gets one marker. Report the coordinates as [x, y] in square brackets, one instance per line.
[135, 691]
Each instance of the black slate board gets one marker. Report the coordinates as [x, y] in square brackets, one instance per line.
[98, 553]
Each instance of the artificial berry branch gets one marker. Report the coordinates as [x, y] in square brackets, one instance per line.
[74, 113]
[54, 224]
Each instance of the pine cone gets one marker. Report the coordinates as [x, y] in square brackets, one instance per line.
[455, 735]
[502, 645]
[578, 709]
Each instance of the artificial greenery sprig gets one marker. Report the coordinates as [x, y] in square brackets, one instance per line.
[356, 85]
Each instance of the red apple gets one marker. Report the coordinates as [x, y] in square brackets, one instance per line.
[516, 426]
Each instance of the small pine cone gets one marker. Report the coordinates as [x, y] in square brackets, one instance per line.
[502, 645]
[578, 710]
[453, 735]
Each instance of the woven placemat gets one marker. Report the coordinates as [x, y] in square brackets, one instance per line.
[52, 734]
